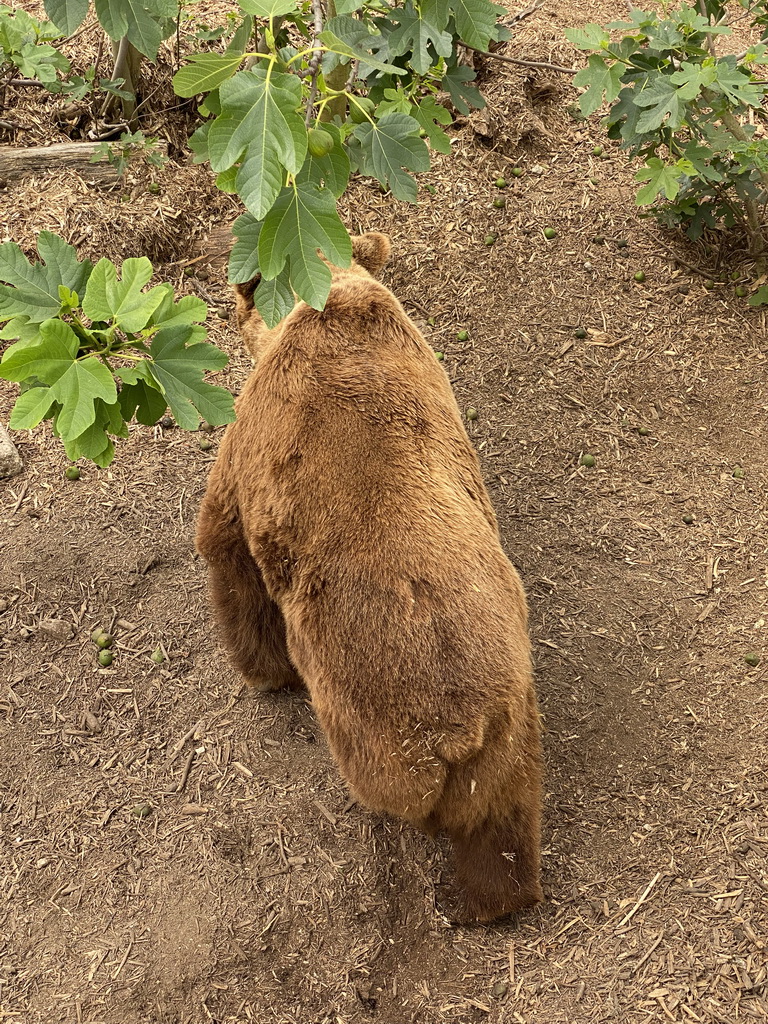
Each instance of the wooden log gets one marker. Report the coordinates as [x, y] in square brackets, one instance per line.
[17, 162]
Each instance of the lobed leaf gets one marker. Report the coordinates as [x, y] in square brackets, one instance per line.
[303, 220]
[427, 112]
[660, 177]
[260, 126]
[358, 51]
[67, 15]
[178, 368]
[205, 71]
[592, 36]
[463, 95]
[476, 20]
[414, 33]
[188, 310]
[32, 289]
[389, 146]
[275, 299]
[31, 407]
[736, 85]
[45, 361]
[602, 81]
[140, 394]
[664, 104]
[77, 389]
[244, 258]
[123, 301]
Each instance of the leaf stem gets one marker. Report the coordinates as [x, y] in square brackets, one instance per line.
[255, 55]
[335, 93]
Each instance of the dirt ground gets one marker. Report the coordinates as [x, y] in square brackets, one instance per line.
[175, 850]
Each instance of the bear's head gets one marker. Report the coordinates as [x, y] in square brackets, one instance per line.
[370, 253]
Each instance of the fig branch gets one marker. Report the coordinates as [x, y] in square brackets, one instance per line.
[313, 67]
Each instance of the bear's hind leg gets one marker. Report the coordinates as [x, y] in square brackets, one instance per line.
[497, 864]
[491, 810]
[251, 624]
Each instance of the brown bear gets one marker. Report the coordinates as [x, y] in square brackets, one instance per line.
[353, 549]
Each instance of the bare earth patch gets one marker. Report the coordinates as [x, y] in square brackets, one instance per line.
[175, 850]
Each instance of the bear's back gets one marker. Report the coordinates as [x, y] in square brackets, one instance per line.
[348, 425]
[366, 503]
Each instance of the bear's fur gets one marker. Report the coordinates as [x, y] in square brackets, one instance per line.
[353, 549]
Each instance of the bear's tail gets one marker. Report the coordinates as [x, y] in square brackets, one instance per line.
[497, 867]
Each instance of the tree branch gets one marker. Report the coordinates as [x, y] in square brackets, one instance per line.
[353, 69]
[313, 67]
[522, 63]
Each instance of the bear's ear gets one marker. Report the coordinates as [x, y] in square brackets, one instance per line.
[244, 299]
[244, 293]
[371, 251]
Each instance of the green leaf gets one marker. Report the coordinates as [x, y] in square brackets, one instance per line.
[32, 290]
[476, 20]
[259, 124]
[414, 33]
[331, 169]
[198, 143]
[77, 389]
[188, 310]
[244, 258]
[427, 112]
[303, 220]
[661, 178]
[242, 36]
[35, 60]
[31, 407]
[179, 368]
[94, 443]
[356, 33]
[140, 394]
[758, 298]
[61, 262]
[591, 37]
[268, 8]
[665, 105]
[67, 15]
[48, 360]
[123, 301]
[226, 181]
[736, 85]
[112, 417]
[692, 78]
[601, 80]
[204, 72]
[348, 6]
[275, 299]
[389, 146]
[360, 52]
[701, 158]
[19, 328]
[144, 22]
[463, 95]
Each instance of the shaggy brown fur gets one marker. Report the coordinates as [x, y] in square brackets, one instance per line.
[353, 548]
